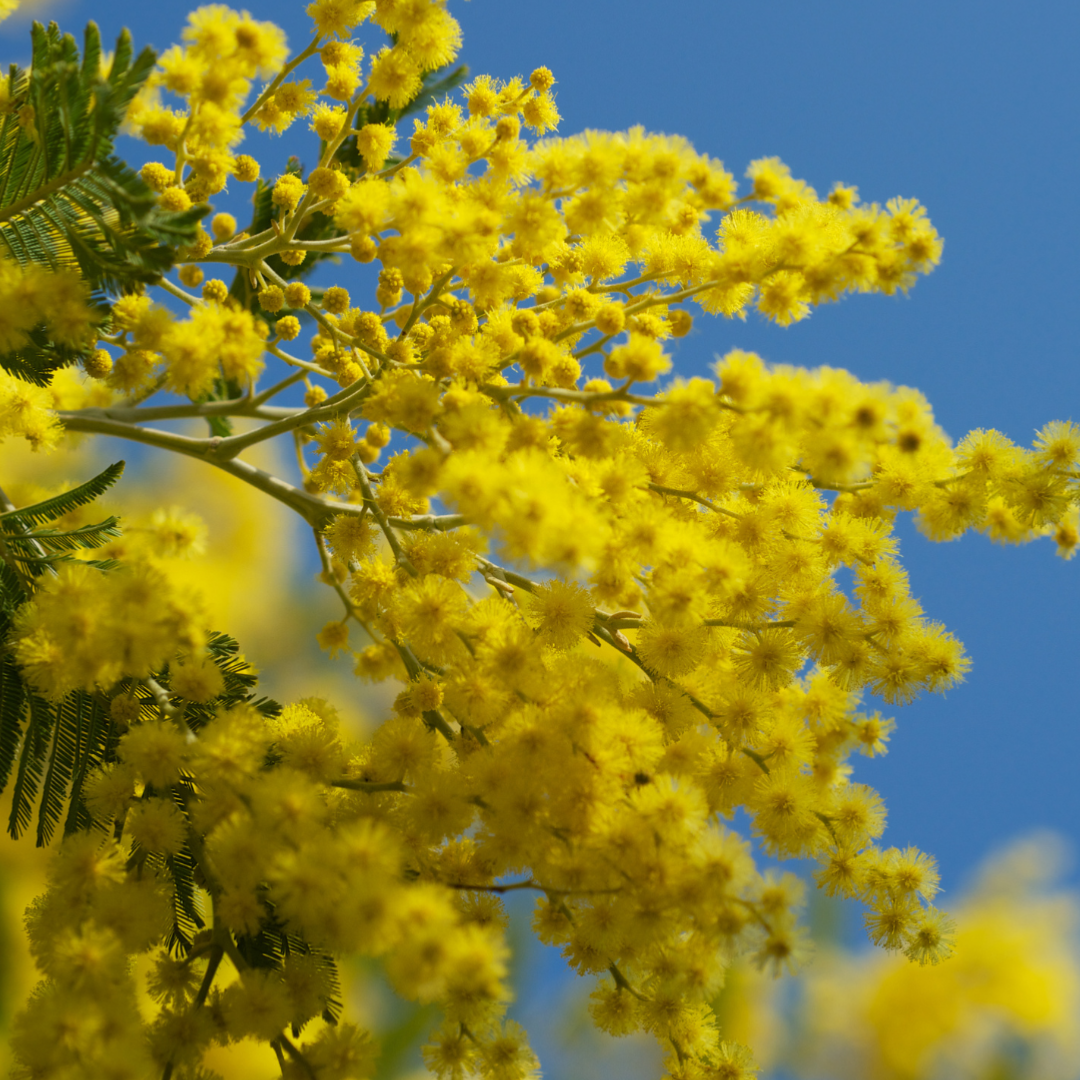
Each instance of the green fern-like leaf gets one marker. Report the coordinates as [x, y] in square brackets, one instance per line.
[12, 707]
[272, 945]
[85, 536]
[68, 735]
[12, 593]
[17, 522]
[62, 540]
[64, 197]
[187, 920]
[37, 359]
[95, 743]
[33, 755]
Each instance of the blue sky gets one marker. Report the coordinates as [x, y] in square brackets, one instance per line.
[973, 108]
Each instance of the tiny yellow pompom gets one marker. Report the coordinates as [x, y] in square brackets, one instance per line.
[108, 791]
[97, 364]
[367, 453]
[508, 128]
[246, 169]
[288, 191]
[271, 298]
[610, 319]
[540, 113]
[541, 79]
[336, 300]
[377, 435]
[292, 258]
[156, 176]
[288, 328]
[315, 395]
[328, 183]
[326, 121]
[297, 294]
[155, 749]
[198, 680]
[374, 143]
[341, 82]
[175, 198]
[680, 322]
[157, 825]
[640, 359]
[124, 710]
[200, 247]
[363, 249]
[223, 226]
[190, 275]
[334, 637]
[425, 694]
[215, 290]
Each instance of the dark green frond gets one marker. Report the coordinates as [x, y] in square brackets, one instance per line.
[32, 757]
[12, 594]
[51, 748]
[56, 746]
[12, 708]
[239, 684]
[186, 918]
[15, 522]
[103, 564]
[93, 739]
[332, 1012]
[40, 356]
[103, 219]
[72, 722]
[58, 540]
[265, 949]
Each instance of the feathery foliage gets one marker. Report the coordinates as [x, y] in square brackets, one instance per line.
[64, 197]
[56, 506]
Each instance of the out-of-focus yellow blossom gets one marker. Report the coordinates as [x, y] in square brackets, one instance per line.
[1005, 1004]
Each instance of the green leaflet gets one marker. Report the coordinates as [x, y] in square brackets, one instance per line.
[46, 744]
[18, 522]
[57, 541]
[28, 551]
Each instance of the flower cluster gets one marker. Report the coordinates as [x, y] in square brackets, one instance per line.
[87, 629]
[55, 304]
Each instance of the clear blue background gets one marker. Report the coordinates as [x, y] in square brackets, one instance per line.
[972, 107]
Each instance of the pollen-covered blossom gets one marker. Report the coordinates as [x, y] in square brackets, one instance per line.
[87, 629]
